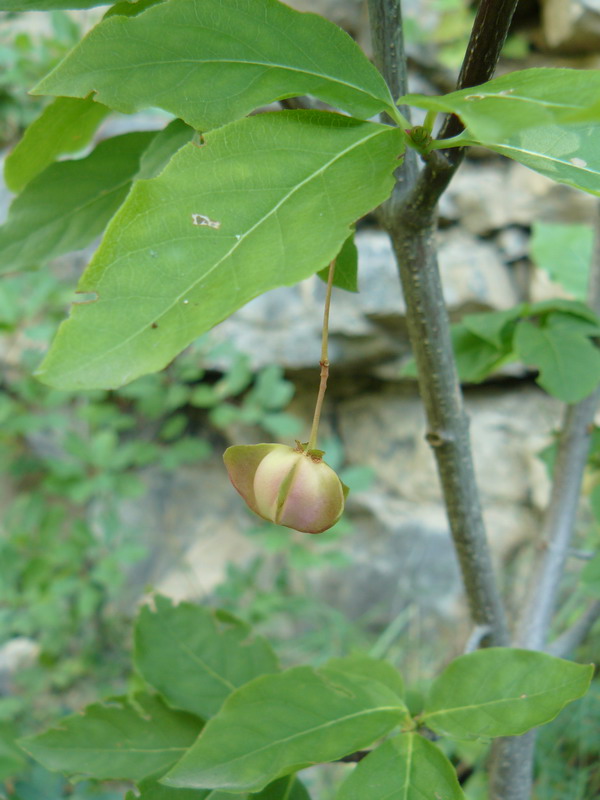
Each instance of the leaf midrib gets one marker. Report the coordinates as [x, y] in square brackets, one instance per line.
[489, 703]
[196, 659]
[542, 156]
[122, 343]
[306, 732]
[266, 64]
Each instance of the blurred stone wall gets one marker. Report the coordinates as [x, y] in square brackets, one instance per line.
[399, 546]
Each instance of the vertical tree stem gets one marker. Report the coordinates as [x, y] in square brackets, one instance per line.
[312, 442]
[409, 217]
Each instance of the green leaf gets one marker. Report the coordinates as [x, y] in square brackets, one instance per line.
[502, 692]
[127, 8]
[288, 788]
[163, 147]
[196, 657]
[407, 767]
[475, 357]
[568, 362]
[68, 205]
[345, 275]
[571, 307]
[152, 790]
[529, 98]
[12, 760]
[188, 248]
[47, 5]
[373, 668]
[543, 118]
[564, 153]
[65, 126]
[121, 739]
[278, 724]
[565, 253]
[492, 326]
[213, 61]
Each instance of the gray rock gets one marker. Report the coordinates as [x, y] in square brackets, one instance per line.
[284, 326]
[15, 655]
[488, 196]
[571, 26]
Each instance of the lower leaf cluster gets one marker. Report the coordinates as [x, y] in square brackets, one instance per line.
[220, 718]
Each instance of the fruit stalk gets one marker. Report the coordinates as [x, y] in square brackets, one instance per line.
[324, 362]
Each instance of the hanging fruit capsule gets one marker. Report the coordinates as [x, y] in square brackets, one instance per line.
[293, 487]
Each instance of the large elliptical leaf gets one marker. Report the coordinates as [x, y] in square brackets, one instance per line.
[529, 98]
[288, 788]
[547, 119]
[407, 767]
[502, 691]
[69, 204]
[65, 126]
[120, 739]
[213, 61]
[265, 202]
[278, 724]
[564, 153]
[196, 657]
[47, 5]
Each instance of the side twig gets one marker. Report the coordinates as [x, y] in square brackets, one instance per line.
[570, 639]
[511, 767]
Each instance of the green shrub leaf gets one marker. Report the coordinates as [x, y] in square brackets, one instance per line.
[65, 126]
[345, 275]
[196, 657]
[278, 724]
[548, 119]
[265, 202]
[184, 57]
[493, 326]
[407, 767]
[565, 253]
[68, 205]
[162, 148]
[122, 739]
[529, 98]
[288, 788]
[502, 692]
[47, 5]
[374, 668]
[568, 362]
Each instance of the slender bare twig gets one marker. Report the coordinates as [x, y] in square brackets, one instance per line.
[410, 218]
[511, 766]
[570, 639]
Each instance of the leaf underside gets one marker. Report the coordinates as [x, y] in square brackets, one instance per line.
[120, 739]
[265, 202]
[210, 63]
[278, 724]
[196, 658]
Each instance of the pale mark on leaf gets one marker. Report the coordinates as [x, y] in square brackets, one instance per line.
[578, 162]
[205, 222]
